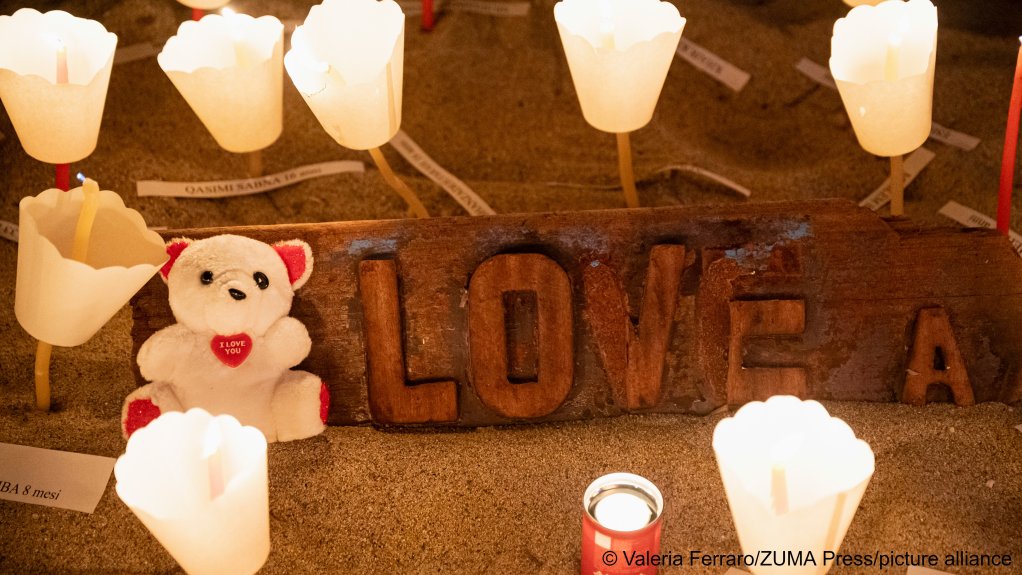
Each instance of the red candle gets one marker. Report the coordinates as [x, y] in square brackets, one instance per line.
[1008, 159]
[197, 14]
[621, 525]
[427, 14]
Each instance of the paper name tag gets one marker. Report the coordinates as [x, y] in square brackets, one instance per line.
[458, 190]
[487, 8]
[971, 218]
[62, 479]
[726, 182]
[8, 231]
[231, 188]
[135, 52]
[713, 65]
[914, 164]
[817, 73]
[953, 138]
[821, 75]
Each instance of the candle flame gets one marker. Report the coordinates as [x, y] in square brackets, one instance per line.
[894, 42]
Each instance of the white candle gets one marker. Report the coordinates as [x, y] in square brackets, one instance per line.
[619, 52]
[199, 484]
[54, 73]
[794, 477]
[61, 62]
[882, 59]
[623, 512]
[229, 68]
[347, 61]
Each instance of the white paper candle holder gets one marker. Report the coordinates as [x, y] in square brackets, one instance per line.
[882, 59]
[56, 123]
[619, 52]
[794, 477]
[229, 68]
[347, 60]
[62, 301]
[199, 484]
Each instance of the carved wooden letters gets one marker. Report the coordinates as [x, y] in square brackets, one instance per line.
[553, 317]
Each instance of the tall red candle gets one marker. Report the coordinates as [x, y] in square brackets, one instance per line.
[427, 15]
[1008, 159]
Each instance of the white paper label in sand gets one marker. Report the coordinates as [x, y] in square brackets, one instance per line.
[8, 231]
[62, 479]
[953, 138]
[971, 218]
[924, 571]
[816, 72]
[135, 52]
[914, 164]
[488, 8]
[726, 182]
[821, 75]
[458, 190]
[230, 188]
[719, 69]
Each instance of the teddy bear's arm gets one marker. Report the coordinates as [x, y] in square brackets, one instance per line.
[164, 351]
[288, 341]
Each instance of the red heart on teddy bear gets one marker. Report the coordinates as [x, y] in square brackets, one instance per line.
[231, 350]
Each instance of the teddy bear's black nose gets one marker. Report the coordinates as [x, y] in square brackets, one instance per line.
[236, 294]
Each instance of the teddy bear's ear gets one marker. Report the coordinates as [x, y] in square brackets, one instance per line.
[297, 256]
[174, 249]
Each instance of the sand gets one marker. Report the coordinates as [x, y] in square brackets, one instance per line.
[490, 100]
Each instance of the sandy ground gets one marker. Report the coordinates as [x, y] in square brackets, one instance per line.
[490, 99]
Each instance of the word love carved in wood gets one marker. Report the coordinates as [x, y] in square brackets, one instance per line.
[546, 317]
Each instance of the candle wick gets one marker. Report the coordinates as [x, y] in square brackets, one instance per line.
[893, 57]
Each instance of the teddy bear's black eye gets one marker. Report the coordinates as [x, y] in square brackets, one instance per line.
[206, 278]
[261, 280]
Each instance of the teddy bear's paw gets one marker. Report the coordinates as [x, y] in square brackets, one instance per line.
[138, 411]
[300, 405]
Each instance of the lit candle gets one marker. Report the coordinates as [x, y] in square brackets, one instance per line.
[81, 255]
[1008, 155]
[619, 52]
[54, 94]
[622, 512]
[199, 484]
[882, 59]
[229, 68]
[347, 61]
[794, 477]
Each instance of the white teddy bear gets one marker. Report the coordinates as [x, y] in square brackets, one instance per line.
[234, 345]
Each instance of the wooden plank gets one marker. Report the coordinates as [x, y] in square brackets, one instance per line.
[862, 282]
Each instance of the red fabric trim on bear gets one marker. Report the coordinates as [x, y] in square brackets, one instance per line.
[294, 260]
[231, 350]
[324, 402]
[174, 250]
[141, 413]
